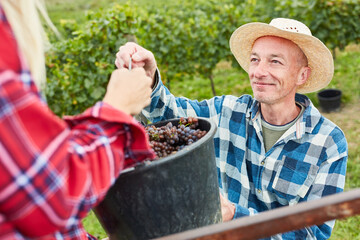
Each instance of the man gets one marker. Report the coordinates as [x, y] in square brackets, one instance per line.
[274, 149]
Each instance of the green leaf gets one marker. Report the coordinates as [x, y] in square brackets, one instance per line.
[97, 93]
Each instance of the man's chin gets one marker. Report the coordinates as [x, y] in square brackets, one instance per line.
[264, 98]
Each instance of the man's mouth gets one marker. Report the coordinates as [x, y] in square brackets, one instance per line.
[263, 84]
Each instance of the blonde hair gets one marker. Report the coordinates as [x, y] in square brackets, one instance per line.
[29, 33]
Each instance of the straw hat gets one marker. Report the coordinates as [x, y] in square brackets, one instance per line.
[318, 55]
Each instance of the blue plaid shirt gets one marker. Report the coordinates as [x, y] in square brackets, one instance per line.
[306, 163]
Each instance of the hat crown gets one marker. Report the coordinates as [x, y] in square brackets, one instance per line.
[290, 25]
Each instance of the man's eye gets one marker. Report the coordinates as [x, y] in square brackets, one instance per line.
[253, 60]
[276, 62]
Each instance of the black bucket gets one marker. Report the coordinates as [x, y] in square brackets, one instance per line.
[329, 100]
[166, 196]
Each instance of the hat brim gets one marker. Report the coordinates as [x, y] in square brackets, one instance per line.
[319, 57]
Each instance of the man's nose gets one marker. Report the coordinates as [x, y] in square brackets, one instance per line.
[260, 70]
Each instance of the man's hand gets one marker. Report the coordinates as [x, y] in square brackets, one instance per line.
[129, 91]
[141, 58]
[227, 209]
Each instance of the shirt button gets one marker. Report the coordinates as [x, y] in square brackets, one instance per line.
[259, 191]
[262, 162]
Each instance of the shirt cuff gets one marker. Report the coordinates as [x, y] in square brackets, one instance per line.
[240, 211]
[103, 111]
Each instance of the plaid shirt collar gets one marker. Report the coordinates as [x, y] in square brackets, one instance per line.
[311, 115]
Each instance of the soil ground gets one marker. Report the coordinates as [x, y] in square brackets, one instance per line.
[349, 121]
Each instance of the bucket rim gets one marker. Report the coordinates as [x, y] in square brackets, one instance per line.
[337, 96]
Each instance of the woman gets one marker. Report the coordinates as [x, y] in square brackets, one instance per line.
[53, 171]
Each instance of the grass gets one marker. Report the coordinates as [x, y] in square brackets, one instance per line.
[234, 81]
[69, 9]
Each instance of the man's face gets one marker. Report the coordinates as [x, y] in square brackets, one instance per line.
[275, 69]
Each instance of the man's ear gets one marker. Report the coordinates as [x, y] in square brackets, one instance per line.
[304, 75]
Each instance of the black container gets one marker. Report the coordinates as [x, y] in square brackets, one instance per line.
[329, 100]
[166, 196]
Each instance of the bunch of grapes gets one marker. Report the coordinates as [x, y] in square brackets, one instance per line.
[169, 139]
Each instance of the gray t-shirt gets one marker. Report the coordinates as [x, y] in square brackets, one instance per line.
[272, 133]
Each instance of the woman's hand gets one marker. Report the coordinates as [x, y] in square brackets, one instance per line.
[129, 91]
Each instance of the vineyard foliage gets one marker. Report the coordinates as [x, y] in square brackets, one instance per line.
[79, 67]
[190, 39]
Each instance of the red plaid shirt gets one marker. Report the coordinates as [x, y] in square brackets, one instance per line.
[52, 172]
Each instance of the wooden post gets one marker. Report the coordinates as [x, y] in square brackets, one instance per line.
[279, 220]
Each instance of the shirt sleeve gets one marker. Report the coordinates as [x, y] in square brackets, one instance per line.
[165, 106]
[53, 171]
